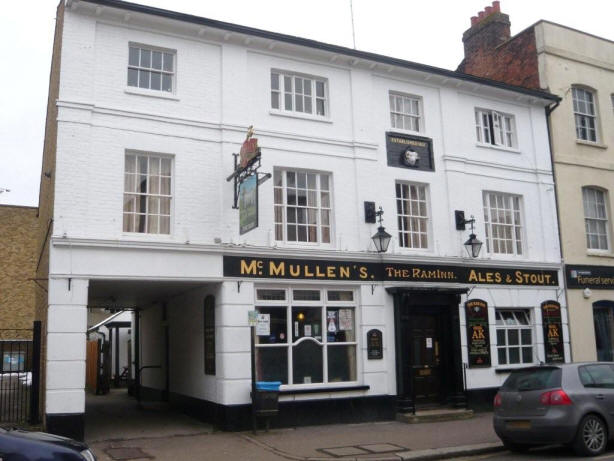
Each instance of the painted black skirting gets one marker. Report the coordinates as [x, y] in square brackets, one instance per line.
[324, 390]
[481, 399]
[291, 413]
[70, 425]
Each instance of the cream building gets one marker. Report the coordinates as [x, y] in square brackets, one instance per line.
[578, 67]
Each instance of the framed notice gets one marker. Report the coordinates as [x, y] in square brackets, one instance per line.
[478, 336]
[209, 330]
[553, 332]
[248, 204]
[375, 349]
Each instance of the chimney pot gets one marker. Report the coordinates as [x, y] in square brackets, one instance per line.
[474, 20]
[481, 15]
[496, 6]
[488, 10]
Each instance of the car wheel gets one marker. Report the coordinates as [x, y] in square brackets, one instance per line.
[592, 436]
[515, 447]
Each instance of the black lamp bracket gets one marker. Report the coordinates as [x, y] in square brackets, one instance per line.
[461, 222]
[379, 214]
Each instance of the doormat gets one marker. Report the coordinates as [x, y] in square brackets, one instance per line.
[124, 453]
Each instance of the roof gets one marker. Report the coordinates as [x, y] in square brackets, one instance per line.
[291, 39]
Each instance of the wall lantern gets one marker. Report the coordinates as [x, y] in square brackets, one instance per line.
[472, 245]
[381, 239]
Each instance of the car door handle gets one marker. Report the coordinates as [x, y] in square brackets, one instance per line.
[599, 396]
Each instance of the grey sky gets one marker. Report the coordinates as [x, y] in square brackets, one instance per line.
[428, 32]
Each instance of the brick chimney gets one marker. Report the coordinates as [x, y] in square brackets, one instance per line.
[489, 29]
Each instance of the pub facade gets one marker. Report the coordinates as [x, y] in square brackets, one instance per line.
[392, 224]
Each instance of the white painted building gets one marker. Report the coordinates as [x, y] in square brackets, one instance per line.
[151, 106]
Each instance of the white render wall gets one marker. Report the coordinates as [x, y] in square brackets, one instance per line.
[222, 87]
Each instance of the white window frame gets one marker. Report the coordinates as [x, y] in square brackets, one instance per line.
[288, 86]
[493, 225]
[495, 128]
[281, 207]
[600, 216]
[518, 326]
[406, 112]
[584, 102]
[151, 197]
[409, 236]
[288, 303]
[149, 70]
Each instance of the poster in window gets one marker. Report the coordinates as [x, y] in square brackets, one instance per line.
[248, 204]
[553, 332]
[346, 321]
[478, 336]
[209, 335]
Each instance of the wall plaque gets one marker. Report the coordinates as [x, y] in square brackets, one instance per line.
[375, 349]
[553, 332]
[478, 336]
[408, 151]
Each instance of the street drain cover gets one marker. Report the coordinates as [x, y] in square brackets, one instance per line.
[123, 453]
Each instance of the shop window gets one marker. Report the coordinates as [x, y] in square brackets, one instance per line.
[595, 218]
[585, 115]
[495, 128]
[147, 194]
[603, 318]
[514, 336]
[405, 112]
[151, 68]
[303, 206]
[412, 214]
[503, 222]
[311, 340]
[299, 93]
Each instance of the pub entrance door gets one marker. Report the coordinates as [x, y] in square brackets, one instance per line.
[423, 345]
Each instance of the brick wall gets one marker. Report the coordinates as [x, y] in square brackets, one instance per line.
[18, 256]
[491, 53]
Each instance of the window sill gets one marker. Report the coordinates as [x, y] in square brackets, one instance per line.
[320, 390]
[511, 150]
[508, 368]
[591, 144]
[599, 253]
[151, 93]
[303, 245]
[409, 132]
[313, 118]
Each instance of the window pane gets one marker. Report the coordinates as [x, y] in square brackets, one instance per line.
[272, 364]
[156, 60]
[501, 337]
[306, 295]
[274, 81]
[512, 337]
[270, 295]
[307, 363]
[340, 325]
[320, 89]
[167, 83]
[525, 336]
[502, 356]
[143, 79]
[145, 58]
[527, 354]
[514, 354]
[155, 80]
[340, 295]
[320, 107]
[278, 325]
[341, 363]
[133, 56]
[306, 322]
[168, 62]
[274, 100]
[133, 77]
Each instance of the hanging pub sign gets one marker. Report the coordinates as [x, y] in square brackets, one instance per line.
[248, 204]
[375, 349]
[408, 151]
[246, 165]
[553, 332]
[478, 336]
[331, 270]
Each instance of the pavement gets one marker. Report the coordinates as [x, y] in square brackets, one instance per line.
[117, 430]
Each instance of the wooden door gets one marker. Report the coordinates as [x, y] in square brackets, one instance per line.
[424, 353]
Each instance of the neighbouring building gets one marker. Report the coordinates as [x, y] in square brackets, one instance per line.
[18, 258]
[578, 67]
[150, 106]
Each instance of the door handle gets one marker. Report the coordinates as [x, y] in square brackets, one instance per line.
[599, 396]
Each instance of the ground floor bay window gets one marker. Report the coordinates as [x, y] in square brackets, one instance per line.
[312, 337]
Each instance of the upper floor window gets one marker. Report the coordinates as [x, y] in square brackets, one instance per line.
[495, 128]
[584, 114]
[595, 218]
[147, 194]
[405, 112]
[151, 69]
[302, 206]
[412, 215]
[503, 223]
[299, 93]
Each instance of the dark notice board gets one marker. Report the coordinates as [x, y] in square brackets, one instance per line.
[478, 335]
[553, 332]
[397, 144]
[375, 349]
[209, 327]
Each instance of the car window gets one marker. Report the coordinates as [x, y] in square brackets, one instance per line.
[597, 376]
[533, 379]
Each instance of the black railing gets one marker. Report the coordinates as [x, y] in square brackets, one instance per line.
[20, 374]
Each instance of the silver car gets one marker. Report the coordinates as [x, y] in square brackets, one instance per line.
[570, 404]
